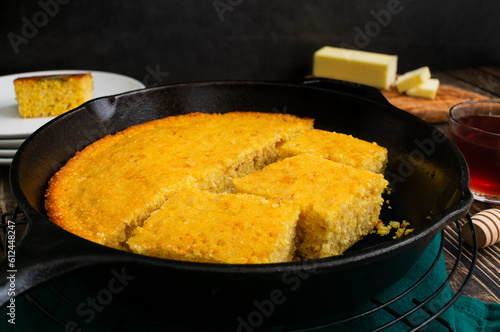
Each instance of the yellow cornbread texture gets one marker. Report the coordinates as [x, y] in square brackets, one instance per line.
[41, 96]
[337, 147]
[114, 184]
[200, 226]
[339, 204]
[369, 68]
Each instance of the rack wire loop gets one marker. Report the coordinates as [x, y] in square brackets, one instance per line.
[420, 305]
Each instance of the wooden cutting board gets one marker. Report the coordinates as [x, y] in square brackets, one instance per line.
[433, 111]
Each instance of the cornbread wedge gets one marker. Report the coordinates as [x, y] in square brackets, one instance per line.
[337, 147]
[196, 225]
[113, 185]
[41, 96]
[339, 204]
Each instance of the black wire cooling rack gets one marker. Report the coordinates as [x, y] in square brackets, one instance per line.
[59, 308]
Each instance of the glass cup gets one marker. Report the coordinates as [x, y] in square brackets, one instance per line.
[475, 128]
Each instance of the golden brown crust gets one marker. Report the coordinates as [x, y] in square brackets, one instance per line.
[65, 77]
[113, 185]
[338, 147]
[200, 226]
[112, 192]
[52, 95]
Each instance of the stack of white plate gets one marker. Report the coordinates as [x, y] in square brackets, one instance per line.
[14, 129]
[8, 148]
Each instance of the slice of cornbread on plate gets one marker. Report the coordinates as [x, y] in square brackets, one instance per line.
[200, 226]
[341, 148]
[113, 185]
[339, 204]
[52, 95]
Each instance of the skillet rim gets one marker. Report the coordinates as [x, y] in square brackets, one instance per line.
[457, 210]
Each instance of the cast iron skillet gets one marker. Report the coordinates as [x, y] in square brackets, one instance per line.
[428, 176]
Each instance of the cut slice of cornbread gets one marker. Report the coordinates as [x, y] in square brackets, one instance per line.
[196, 225]
[40, 96]
[337, 147]
[339, 204]
[114, 184]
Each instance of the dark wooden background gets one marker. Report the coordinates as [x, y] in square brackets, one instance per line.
[166, 41]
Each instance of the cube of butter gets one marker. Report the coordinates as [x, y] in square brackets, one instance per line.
[428, 89]
[412, 79]
[368, 68]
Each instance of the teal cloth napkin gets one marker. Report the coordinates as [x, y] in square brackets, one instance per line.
[473, 315]
[466, 314]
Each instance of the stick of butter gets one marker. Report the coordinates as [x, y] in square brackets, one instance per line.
[428, 89]
[412, 79]
[374, 69]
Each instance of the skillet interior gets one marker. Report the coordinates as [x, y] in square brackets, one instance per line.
[428, 175]
[426, 171]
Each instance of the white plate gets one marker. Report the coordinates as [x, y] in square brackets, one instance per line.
[10, 143]
[5, 161]
[12, 125]
[7, 153]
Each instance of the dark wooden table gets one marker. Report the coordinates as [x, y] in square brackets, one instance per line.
[485, 282]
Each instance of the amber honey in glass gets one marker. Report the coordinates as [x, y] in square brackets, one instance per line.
[475, 128]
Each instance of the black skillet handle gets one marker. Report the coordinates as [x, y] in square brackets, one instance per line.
[358, 90]
[38, 258]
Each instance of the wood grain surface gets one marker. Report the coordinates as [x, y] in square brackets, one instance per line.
[436, 110]
[485, 282]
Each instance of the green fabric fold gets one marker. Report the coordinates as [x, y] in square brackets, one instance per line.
[466, 314]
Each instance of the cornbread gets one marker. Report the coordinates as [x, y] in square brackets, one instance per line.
[41, 96]
[200, 226]
[339, 204]
[340, 148]
[113, 185]
[401, 228]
